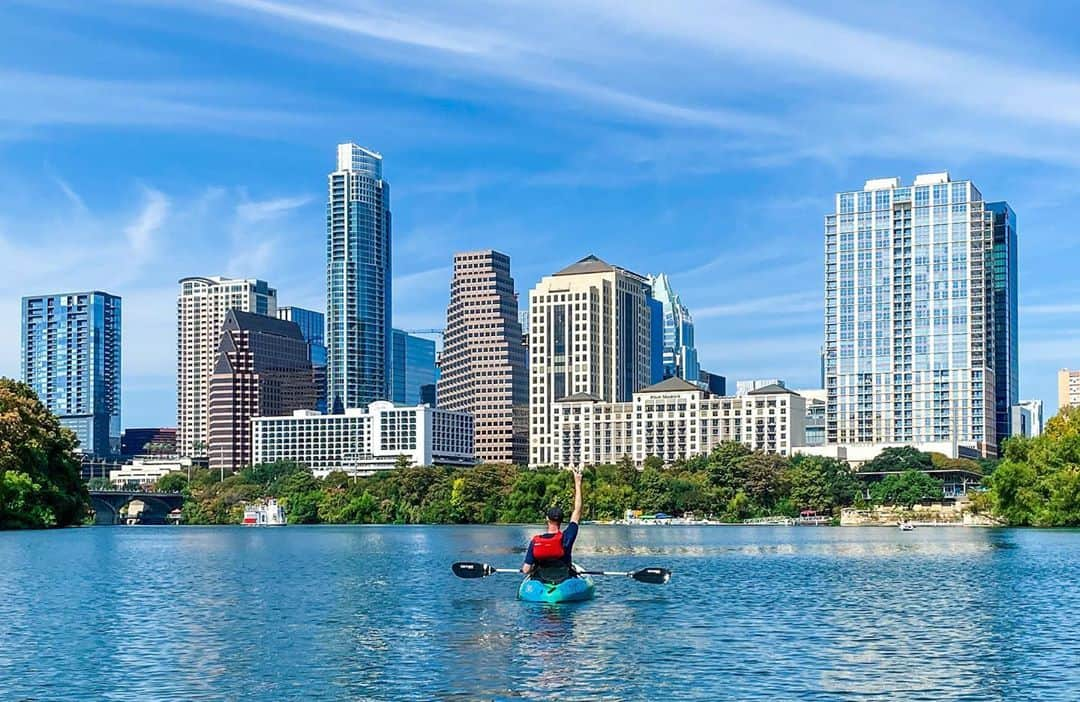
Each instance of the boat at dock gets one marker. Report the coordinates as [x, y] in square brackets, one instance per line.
[268, 514]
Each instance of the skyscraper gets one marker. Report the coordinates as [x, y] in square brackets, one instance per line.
[201, 309]
[1006, 331]
[910, 315]
[1068, 388]
[412, 367]
[590, 336]
[312, 325]
[357, 280]
[262, 370]
[71, 358]
[679, 355]
[482, 366]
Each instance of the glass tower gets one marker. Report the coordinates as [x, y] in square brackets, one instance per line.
[1006, 333]
[679, 357]
[910, 315]
[312, 325]
[357, 280]
[71, 358]
[412, 368]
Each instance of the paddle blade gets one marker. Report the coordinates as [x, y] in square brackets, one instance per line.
[655, 576]
[472, 570]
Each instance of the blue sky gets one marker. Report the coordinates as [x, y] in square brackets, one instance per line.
[145, 141]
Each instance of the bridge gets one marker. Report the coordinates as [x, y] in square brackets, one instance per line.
[156, 505]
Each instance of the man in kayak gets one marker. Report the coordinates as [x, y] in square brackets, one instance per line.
[550, 556]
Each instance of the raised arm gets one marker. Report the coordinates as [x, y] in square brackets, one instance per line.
[576, 516]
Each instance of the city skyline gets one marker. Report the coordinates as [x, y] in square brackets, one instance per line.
[133, 199]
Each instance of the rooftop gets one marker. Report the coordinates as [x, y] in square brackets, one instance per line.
[589, 264]
[672, 384]
[772, 390]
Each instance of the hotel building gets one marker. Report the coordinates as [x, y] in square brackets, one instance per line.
[590, 334]
[1068, 388]
[364, 440]
[674, 420]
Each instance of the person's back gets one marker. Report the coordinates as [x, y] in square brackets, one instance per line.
[550, 555]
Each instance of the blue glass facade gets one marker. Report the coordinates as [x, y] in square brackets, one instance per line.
[412, 369]
[71, 358]
[312, 325]
[679, 355]
[358, 304]
[1006, 332]
[656, 333]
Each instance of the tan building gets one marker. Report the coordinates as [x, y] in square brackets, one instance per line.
[589, 334]
[201, 309]
[262, 370]
[483, 369]
[1068, 388]
[672, 420]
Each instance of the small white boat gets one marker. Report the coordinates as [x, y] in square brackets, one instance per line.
[269, 514]
[907, 526]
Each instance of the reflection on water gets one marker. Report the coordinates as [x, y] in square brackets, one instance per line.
[373, 613]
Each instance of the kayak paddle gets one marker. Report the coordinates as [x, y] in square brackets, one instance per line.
[654, 576]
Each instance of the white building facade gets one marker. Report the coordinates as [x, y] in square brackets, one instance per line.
[1027, 418]
[364, 440]
[674, 420]
[589, 333]
[909, 315]
[200, 313]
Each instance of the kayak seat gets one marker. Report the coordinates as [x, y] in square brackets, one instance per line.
[553, 574]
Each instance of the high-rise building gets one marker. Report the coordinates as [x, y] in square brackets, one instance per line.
[910, 314]
[816, 400]
[1068, 388]
[262, 370]
[201, 309]
[138, 441]
[358, 305]
[412, 367]
[590, 336]
[71, 358]
[712, 383]
[483, 363]
[679, 355]
[1006, 330]
[1027, 418]
[312, 325]
[656, 339]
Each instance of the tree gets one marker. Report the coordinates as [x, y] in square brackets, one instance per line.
[764, 477]
[821, 484]
[906, 488]
[99, 483]
[402, 461]
[172, 482]
[40, 481]
[898, 459]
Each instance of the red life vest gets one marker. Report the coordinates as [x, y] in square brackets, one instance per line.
[548, 547]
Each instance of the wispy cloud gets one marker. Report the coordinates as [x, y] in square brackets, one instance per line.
[790, 303]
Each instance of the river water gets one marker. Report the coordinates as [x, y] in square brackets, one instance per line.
[374, 613]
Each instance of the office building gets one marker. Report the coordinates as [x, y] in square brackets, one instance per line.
[201, 309]
[673, 420]
[1006, 331]
[679, 355]
[712, 383]
[71, 358]
[262, 369]
[744, 386]
[590, 334]
[363, 440]
[910, 315]
[312, 325]
[483, 363]
[140, 441]
[656, 338]
[144, 471]
[358, 304]
[1027, 418]
[412, 367]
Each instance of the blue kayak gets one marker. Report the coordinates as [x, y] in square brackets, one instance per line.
[574, 589]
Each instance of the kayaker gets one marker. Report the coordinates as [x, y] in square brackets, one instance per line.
[550, 555]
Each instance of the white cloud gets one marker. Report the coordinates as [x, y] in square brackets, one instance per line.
[788, 303]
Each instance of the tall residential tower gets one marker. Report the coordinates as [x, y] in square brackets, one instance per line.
[483, 360]
[201, 309]
[910, 314]
[358, 336]
[71, 358]
[590, 336]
